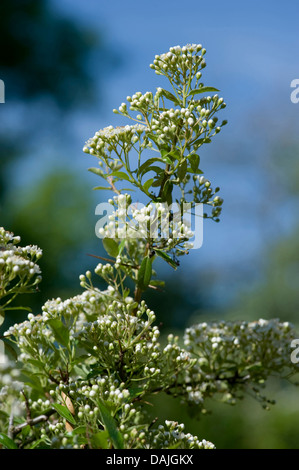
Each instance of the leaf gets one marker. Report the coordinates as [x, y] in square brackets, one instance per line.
[175, 154]
[182, 169]
[144, 273]
[60, 331]
[155, 168]
[158, 181]
[121, 246]
[170, 96]
[202, 89]
[121, 175]
[2, 316]
[167, 156]
[166, 257]
[147, 164]
[111, 246]
[110, 426]
[64, 412]
[148, 184]
[96, 171]
[194, 161]
[167, 192]
[157, 282]
[102, 187]
[100, 440]
[79, 430]
[7, 442]
[11, 350]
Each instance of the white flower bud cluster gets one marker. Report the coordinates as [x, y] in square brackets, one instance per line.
[141, 101]
[89, 395]
[171, 435]
[180, 60]
[149, 222]
[18, 266]
[10, 387]
[110, 137]
[256, 350]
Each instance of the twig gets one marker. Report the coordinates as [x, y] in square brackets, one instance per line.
[33, 422]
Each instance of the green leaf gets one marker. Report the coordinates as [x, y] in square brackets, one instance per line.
[146, 164]
[158, 181]
[64, 412]
[167, 156]
[182, 169]
[148, 184]
[111, 246]
[7, 442]
[175, 154]
[100, 440]
[11, 350]
[144, 273]
[102, 187]
[202, 89]
[166, 258]
[155, 168]
[167, 192]
[121, 246]
[121, 175]
[170, 96]
[110, 426]
[194, 161]
[157, 282]
[96, 171]
[79, 430]
[60, 331]
[2, 316]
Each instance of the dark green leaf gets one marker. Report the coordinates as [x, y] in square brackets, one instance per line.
[144, 273]
[111, 246]
[79, 430]
[154, 168]
[121, 175]
[194, 161]
[157, 282]
[100, 440]
[11, 350]
[170, 96]
[64, 412]
[158, 181]
[7, 442]
[166, 258]
[147, 164]
[121, 246]
[202, 89]
[148, 184]
[110, 426]
[167, 192]
[60, 331]
[182, 170]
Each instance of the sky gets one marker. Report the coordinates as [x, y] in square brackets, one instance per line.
[252, 57]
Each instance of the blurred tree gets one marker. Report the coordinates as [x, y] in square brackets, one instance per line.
[47, 62]
[44, 53]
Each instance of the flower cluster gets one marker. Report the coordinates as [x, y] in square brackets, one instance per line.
[167, 136]
[234, 357]
[171, 435]
[180, 60]
[19, 272]
[154, 223]
[90, 365]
